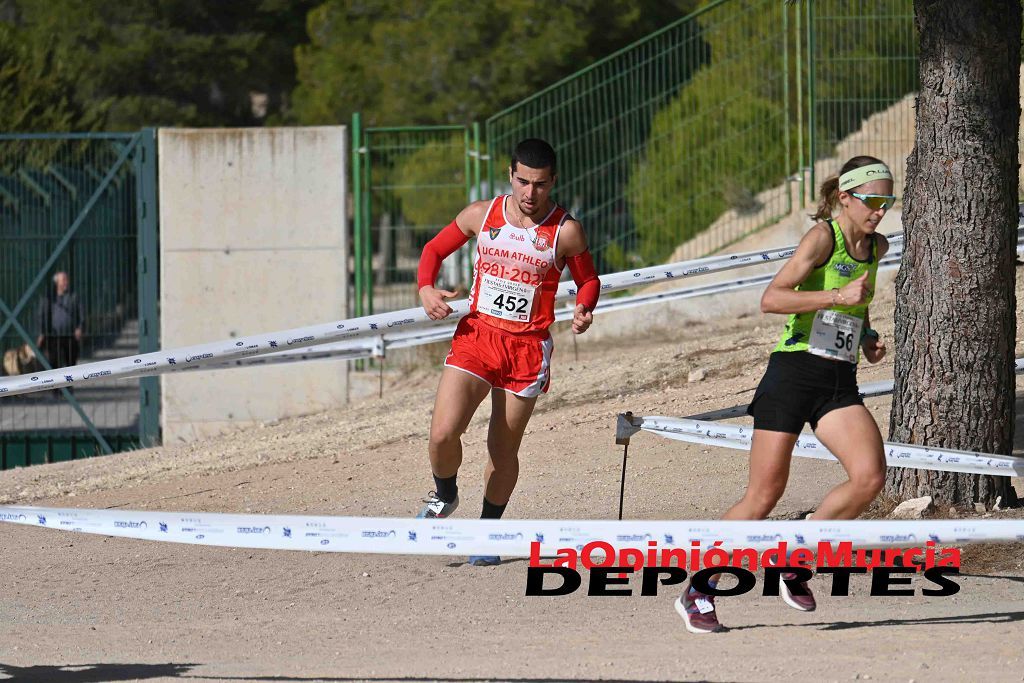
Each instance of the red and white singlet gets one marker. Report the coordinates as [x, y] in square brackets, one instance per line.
[515, 276]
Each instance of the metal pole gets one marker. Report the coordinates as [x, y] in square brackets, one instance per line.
[785, 104]
[367, 218]
[624, 429]
[622, 483]
[357, 214]
[476, 158]
[147, 221]
[800, 107]
[810, 92]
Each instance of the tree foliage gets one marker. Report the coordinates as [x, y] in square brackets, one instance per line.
[699, 166]
[35, 85]
[448, 61]
[432, 183]
[98, 65]
[720, 140]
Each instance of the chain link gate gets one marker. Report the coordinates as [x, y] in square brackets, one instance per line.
[84, 205]
[408, 183]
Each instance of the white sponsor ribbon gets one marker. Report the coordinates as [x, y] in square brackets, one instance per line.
[506, 538]
[879, 388]
[443, 331]
[355, 331]
[896, 454]
[218, 353]
[885, 386]
[407, 338]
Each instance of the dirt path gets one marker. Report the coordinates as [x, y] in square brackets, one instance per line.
[116, 609]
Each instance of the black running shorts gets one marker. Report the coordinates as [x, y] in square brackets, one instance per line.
[799, 387]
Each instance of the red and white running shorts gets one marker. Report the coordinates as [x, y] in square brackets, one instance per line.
[516, 363]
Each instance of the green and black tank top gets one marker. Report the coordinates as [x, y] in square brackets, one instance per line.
[839, 270]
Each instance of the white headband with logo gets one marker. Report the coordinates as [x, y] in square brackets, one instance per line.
[864, 174]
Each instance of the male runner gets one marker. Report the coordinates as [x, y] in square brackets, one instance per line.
[502, 346]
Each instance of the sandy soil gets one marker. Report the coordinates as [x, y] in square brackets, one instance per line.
[82, 608]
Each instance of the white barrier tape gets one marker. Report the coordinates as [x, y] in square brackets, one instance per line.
[880, 388]
[358, 349]
[225, 352]
[356, 328]
[507, 538]
[314, 353]
[442, 332]
[409, 338]
[218, 352]
[886, 263]
[713, 264]
[866, 390]
[414, 338]
[886, 386]
[808, 446]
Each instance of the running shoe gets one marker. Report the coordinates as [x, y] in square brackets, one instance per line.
[804, 603]
[435, 507]
[484, 560]
[698, 611]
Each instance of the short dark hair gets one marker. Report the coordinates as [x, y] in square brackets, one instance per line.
[535, 153]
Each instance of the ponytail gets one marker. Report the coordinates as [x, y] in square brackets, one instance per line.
[829, 196]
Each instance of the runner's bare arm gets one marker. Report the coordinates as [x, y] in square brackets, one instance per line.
[472, 217]
[781, 296]
[445, 243]
[571, 239]
[873, 347]
[572, 244]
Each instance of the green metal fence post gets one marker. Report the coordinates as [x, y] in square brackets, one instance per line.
[476, 159]
[490, 158]
[478, 153]
[785, 106]
[470, 156]
[467, 158]
[800, 106]
[147, 216]
[367, 264]
[811, 100]
[357, 214]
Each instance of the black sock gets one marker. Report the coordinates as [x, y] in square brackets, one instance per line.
[446, 489]
[492, 511]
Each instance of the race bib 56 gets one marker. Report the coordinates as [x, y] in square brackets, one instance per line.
[835, 335]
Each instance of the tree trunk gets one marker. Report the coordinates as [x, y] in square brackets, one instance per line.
[956, 304]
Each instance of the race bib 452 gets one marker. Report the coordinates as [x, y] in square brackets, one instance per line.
[505, 299]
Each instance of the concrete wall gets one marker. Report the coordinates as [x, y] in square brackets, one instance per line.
[252, 239]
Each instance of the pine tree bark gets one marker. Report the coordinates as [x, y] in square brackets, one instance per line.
[956, 304]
